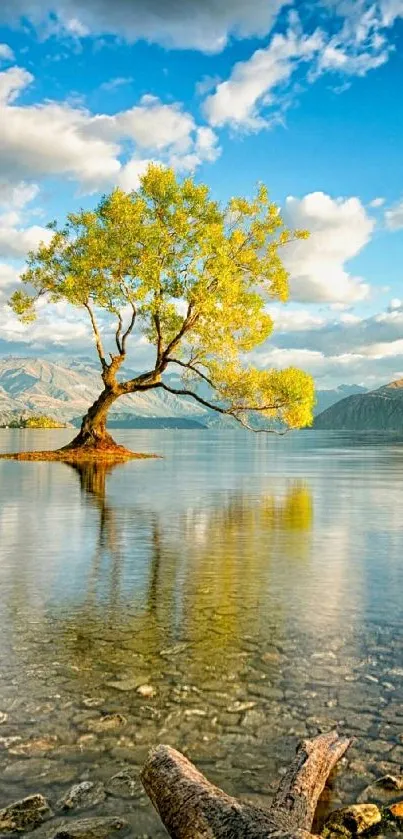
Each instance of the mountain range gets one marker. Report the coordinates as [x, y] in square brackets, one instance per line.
[64, 391]
[376, 410]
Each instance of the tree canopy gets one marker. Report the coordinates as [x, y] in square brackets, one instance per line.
[193, 277]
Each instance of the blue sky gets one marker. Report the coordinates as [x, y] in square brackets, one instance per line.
[303, 96]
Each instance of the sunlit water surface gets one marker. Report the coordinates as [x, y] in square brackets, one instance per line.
[254, 583]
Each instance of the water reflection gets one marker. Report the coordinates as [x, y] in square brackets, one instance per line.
[260, 602]
[205, 581]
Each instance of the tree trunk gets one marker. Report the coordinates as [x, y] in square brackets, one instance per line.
[93, 433]
[192, 808]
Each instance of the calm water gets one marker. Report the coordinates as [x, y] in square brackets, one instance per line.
[255, 584]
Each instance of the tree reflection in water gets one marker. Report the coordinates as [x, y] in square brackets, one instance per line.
[202, 579]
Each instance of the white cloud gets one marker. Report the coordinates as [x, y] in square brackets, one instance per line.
[6, 53]
[113, 84]
[339, 228]
[15, 239]
[394, 217]
[18, 195]
[57, 328]
[153, 125]
[295, 320]
[377, 202]
[395, 303]
[335, 58]
[330, 370]
[8, 277]
[55, 138]
[386, 349]
[353, 40]
[252, 85]
[130, 174]
[12, 82]
[391, 10]
[193, 24]
[15, 242]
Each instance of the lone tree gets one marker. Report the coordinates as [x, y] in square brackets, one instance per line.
[194, 278]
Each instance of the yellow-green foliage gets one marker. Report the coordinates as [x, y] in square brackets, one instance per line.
[197, 275]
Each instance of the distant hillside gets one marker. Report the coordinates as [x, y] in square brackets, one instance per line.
[34, 386]
[31, 386]
[326, 398]
[378, 410]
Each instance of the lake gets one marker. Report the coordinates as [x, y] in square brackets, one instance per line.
[250, 586]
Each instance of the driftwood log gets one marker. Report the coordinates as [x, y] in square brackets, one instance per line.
[191, 807]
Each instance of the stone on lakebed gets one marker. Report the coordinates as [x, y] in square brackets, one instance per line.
[395, 811]
[25, 815]
[82, 796]
[352, 821]
[383, 790]
[108, 827]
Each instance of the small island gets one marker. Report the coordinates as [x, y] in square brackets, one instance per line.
[40, 421]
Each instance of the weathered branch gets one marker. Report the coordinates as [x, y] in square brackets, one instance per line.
[296, 799]
[193, 808]
[98, 341]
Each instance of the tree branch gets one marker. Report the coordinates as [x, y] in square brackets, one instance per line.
[188, 322]
[296, 799]
[189, 366]
[129, 328]
[157, 324]
[119, 332]
[98, 341]
[123, 338]
[228, 412]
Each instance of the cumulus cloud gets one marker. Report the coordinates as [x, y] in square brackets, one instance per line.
[15, 239]
[130, 174]
[391, 10]
[8, 279]
[334, 348]
[335, 58]
[193, 24]
[339, 228]
[360, 43]
[252, 85]
[153, 125]
[394, 217]
[17, 196]
[6, 53]
[59, 328]
[352, 41]
[57, 138]
[330, 370]
[288, 320]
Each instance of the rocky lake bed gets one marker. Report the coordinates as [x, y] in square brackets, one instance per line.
[81, 740]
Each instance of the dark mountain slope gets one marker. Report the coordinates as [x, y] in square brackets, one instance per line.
[378, 410]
